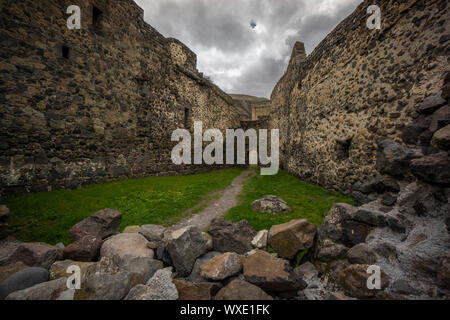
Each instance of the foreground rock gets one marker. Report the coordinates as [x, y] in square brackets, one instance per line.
[221, 267]
[195, 274]
[102, 224]
[102, 286]
[270, 273]
[35, 254]
[196, 291]
[85, 249]
[441, 138]
[434, 168]
[159, 287]
[132, 244]
[291, 238]
[241, 290]
[231, 237]
[59, 269]
[443, 272]
[354, 278]
[23, 279]
[8, 270]
[271, 204]
[152, 232]
[141, 269]
[184, 247]
[361, 254]
[51, 290]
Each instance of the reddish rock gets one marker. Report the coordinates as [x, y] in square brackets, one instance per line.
[195, 291]
[241, 290]
[354, 278]
[221, 267]
[102, 224]
[36, 254]
[86, 249]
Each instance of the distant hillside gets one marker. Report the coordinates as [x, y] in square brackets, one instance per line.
[245, 103]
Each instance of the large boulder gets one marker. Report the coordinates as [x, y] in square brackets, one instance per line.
[241, 290]
[184, 246]
[9, 269]
[35, 254]
[331, 227]
[361, 254]
[195, 291]
[103, 286]
[159, 287]
[231, 236]
[59, 269]
[152, 232]
[85, 249]
[289, 239]
[132, 244]
[392, 158]
[141, 269]
[308, 273]
[102, 224]
[270, 273]
[221, 267]
[23, 279]
[195, 274]
[353, 280]
[379, 184]
[51, 290]
[271, 204]
[434, 168]
[441, 138]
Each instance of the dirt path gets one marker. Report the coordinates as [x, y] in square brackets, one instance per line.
[216, 207]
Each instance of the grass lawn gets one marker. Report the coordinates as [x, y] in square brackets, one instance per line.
[306, 201]
[48, 216]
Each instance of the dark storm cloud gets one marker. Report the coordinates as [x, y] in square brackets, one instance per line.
[245, 45]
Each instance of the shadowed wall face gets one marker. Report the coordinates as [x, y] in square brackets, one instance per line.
[358, 87]
[96, 104]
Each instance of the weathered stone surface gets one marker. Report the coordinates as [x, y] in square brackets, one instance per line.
[51, 290]
[132, 229]
[59, 269]
[162, 286]
[195, 274]
[9, 269]
[36, 254]
[231, 236]
[102, 286]
[270, 273]
[411, 133]
[23, 279]
[104, 266]
[289, 239]
[433, 168]
[260, 240]
[209, 241]
[403, 287]
[152, 232]
[392, 158]
[102, 224]
[440, 119]
[185, 246]
[388, 199]
[378, 184]
[141, 269]
[123, 244]
[432, 103]
[221, 267]
[271, 204]
[195, 291]
[328, 250]
[443, 272]
[85, 249]
[308, 273]
[441, 138]
[331, 227]
[241, 290]
[361, 254]
[354, 232]
[354, 281]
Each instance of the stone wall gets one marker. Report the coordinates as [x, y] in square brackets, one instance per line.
[359, 87]
[250, 108]
[96, 104]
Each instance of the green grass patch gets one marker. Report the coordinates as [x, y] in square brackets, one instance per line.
[306, 201]
[48, 216]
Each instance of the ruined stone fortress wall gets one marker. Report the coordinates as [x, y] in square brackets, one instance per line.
[96, 104]
[358, 87]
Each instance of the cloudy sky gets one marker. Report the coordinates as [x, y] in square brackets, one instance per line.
[244, 46]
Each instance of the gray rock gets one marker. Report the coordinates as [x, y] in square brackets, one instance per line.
[361, 254]
[232, 236]
[104, 266]
[402, 286]
[51, 290]
[354, 232]
[260, 240]
[309, 274]
[434, 168]
[378, 184]
[195, 274]
[34, 254]
[185, 246]
[370, 217]
[331, 228]
[105, 287]
[102, 224]
[443, 272]
[23, 279]
[388, 199]
[440, 119]
[162, 286]
[123, 244]
[432, 103]
[140, 268]
[328, 250]
[221, 267]
[271, 204]
[152, 232]
[392, 158]
[441, 138]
